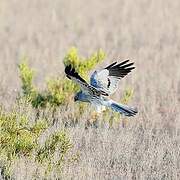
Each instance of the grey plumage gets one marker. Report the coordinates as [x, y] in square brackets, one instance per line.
[102, 84]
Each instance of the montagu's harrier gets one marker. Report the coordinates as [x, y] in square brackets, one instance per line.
[103, 83]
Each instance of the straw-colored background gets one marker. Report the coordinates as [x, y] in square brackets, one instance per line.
[147, 32]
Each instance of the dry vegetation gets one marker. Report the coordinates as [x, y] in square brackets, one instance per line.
[147, 32]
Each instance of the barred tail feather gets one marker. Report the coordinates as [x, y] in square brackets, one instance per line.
[123, 109]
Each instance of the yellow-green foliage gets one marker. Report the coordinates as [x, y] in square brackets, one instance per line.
[82, 65]
[20, 138]
[127, 96]
[27, 75]
[17, 136]
[52, 154]
[59, 90]
[62, 89]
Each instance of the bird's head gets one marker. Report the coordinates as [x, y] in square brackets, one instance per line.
[80, 96]
[76, 98]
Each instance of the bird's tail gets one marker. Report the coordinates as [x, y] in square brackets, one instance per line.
[123, 109]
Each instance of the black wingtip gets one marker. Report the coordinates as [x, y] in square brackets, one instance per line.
[126, 65]
[71, 72]
[120, 70]
[132, 112]
[110, 65]
[124, 62]
[68, 69]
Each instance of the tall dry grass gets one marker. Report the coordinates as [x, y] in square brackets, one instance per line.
[148, 33]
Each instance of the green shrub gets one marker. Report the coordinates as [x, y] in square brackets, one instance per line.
[127, 96]
[52, 153]
[20, 138]
[17, 136]
[59, 90]
[26, 76]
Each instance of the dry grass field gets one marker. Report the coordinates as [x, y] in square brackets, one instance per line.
[146, 32]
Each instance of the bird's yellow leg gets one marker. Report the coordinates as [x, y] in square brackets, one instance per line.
[93, 119]
[94, 116]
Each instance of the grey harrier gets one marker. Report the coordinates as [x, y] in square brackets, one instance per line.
[103, 83]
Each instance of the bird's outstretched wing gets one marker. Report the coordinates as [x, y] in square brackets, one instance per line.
[73, 75]
[107, 79]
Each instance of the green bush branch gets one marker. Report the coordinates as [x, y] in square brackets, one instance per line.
[59, 90]
[20, 138]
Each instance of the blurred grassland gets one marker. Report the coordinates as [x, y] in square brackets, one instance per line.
[146, 32]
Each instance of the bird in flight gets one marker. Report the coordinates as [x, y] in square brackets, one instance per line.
[103, 83]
